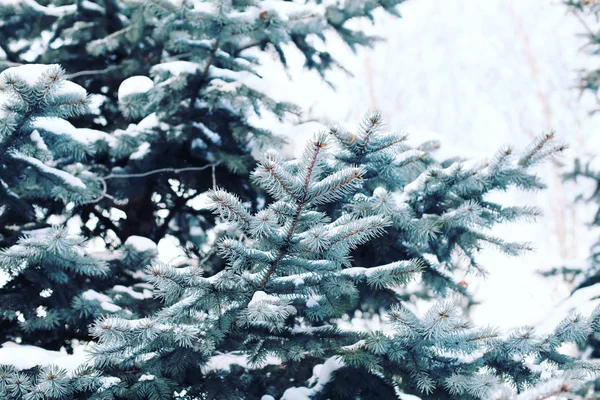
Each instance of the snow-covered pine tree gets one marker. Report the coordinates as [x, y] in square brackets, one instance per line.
[51, 288]
[55, 290]
[39, 178]
[37, 165]
[208, 97]
[443, 207]
[275, 314]
[202, 106]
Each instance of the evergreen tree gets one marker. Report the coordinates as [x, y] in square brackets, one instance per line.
[38, 167]
[197, 113]
[201, 110]
[307, 242]
[275, 309]
[443, 202]
[53, 285]
[40, 176]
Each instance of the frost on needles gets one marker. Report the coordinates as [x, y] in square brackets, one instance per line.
[31, 98]
[275, 311]
[208, 104]
[51, 286]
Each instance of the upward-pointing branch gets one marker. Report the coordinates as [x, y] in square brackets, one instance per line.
[300, 204]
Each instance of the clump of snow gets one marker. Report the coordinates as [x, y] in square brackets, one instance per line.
[37, 139]
[145, 294]
[267, 397]
[146, 377]
[73, 89]
[135, 85]
[196, 231]
[150, 122]
[144, 126]
[65, 176]
[107, 382]
[59, 126]
[260, 297]
[198, 144]
[141, 151]
[29, 73]
[141, 244]
[55, 125]
[105, 301]
[313, 301]
[322, 374]
[92, 6]
[51, 10]
[95, 102]
[404, 396]
[223, 362]
[176, 67]
[25, 357]
[213, 136]
[297, 393]
[296, 279]
[229, 81]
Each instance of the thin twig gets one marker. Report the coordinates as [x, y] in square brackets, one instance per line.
[9, 64]
[211, 59]
[93, 72]
[103, 179]
[583, 22]
[158, 171]
[214, 176]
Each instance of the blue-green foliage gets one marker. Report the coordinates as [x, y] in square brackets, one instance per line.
[208, 91]
[203, 57]
[290, 274]
[286, 241]
[442, 216]
[47, 383]
[50, 263]
[53, 288]
[38, 164]
[54, 291]
[345, 228]
[46, 269]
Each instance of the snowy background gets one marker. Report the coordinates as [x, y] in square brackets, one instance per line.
[477, 75]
